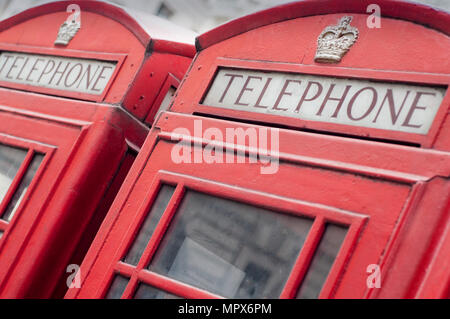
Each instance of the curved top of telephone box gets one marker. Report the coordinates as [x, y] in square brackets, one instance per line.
[397, 44]
[397, 9]
[148, 29]
[145, 49]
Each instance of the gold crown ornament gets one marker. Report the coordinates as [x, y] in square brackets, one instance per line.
[335, 41]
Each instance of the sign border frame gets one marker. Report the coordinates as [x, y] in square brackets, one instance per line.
[402, 77]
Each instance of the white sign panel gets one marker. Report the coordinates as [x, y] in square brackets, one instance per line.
[382, 105]
[56, 72]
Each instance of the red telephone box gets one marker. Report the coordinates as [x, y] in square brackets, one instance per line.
[80, 81]
[306, 155]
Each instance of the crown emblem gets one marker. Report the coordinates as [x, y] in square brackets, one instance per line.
[67, 31]
[335, 41]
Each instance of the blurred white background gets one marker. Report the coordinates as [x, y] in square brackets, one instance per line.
[197, 15]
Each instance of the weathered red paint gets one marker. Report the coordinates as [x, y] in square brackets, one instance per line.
[85, 137]
[394, 198]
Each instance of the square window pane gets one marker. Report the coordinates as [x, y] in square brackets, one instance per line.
[147, 292]
[149, 225]
[230, 248]
[323, 260]
[23, 187]
[117, 287]
[11, 158]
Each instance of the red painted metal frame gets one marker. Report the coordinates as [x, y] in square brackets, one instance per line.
[412, 179]
[22, 225]
[108, 223]
[107, 57]
[416, 181]
[386, 76]
[416, 192]
[416, 248]
[437, 281]
[16, 181]
[78, 138]
[32, 148]
[319, 214]
[323, 150]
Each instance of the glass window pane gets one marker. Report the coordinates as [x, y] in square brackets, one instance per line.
[322, 261]
[1, 234]
[117, 287]
[23, 187]
[10, 160]
[147, 292]
[149, 225]
[229, 248]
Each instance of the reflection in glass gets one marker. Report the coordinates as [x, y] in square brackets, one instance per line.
[229, 248]
[322, 261]
[147, 292]
[117, 287]
[23, 187]
[149, 225]
[11, 159]
[166, 101]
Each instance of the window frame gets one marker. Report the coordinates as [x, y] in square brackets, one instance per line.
[320, 214]
[32, 148]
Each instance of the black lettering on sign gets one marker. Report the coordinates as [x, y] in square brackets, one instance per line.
[357, 102]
